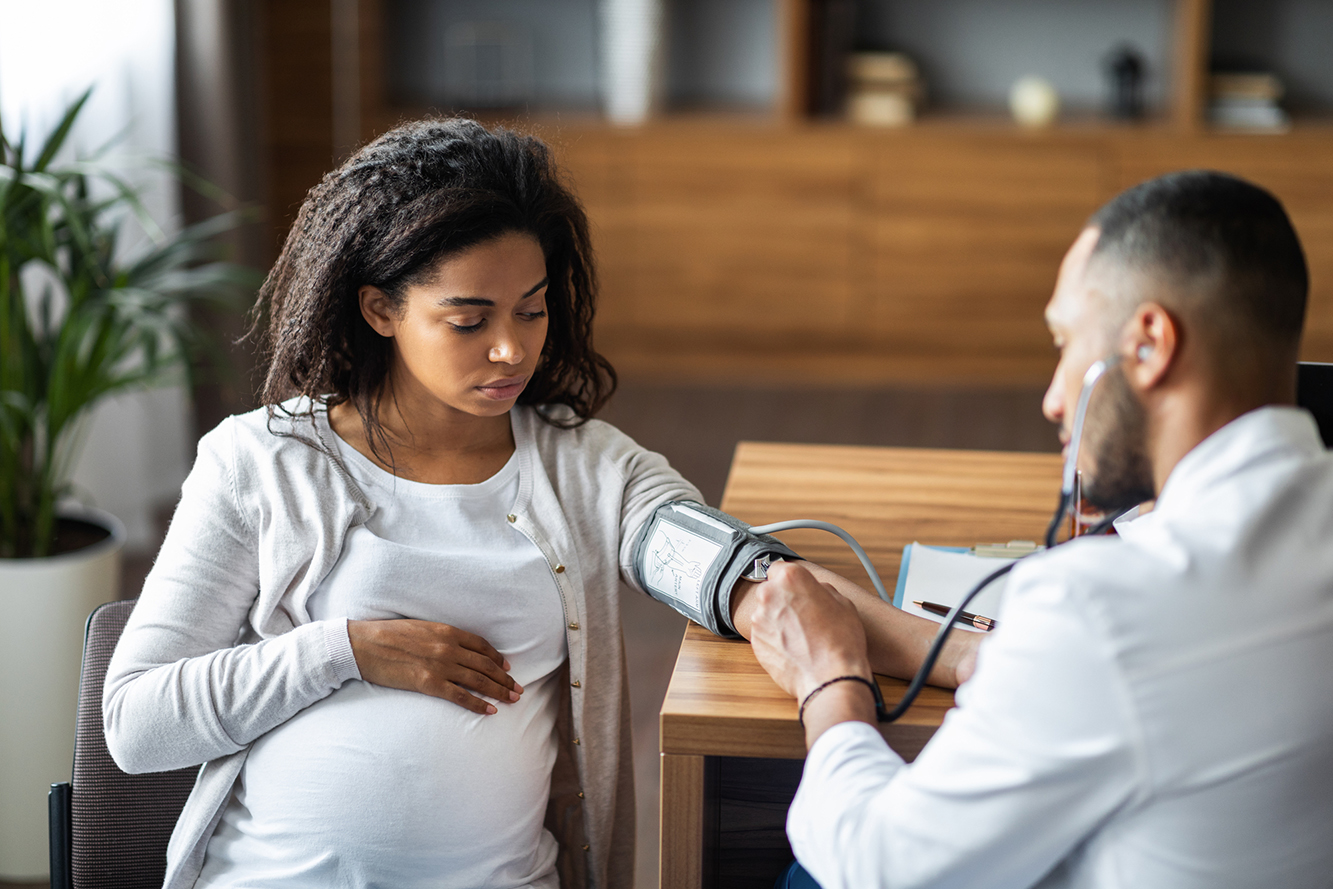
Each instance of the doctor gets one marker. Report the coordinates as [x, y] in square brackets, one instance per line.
[1155, 709]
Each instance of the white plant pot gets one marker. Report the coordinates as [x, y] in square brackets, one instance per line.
[632, 46]
[44, 604]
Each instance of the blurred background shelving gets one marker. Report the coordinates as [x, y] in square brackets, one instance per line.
[1289, 38]
[744, 235]
[771, 57]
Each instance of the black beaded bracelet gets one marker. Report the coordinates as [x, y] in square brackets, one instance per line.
[870, 684]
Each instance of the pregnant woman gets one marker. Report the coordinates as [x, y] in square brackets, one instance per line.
[386, 616]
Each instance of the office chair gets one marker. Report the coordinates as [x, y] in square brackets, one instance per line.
[109, 830]
[1314, 392]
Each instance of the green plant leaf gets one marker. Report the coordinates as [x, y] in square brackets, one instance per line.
[99, 324]
[56, 140]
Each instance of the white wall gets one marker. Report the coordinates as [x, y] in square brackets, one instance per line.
[50, 50]
[722, 54]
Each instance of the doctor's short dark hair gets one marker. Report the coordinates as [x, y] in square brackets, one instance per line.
[417, 195]
[1226, 249]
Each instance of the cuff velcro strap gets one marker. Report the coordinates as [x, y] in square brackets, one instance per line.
[690, 556]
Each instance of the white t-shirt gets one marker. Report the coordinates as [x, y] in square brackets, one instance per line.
[374, 786]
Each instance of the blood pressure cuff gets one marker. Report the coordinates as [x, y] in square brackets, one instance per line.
[690, 556]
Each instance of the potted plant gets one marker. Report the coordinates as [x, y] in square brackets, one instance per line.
[79, 322]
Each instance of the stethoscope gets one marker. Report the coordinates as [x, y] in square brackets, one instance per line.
[1067, 502]
[1068, 484]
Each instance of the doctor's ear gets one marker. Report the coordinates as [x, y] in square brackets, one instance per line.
[1149, 342]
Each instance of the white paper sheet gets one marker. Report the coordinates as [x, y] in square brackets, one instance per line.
[945, 577]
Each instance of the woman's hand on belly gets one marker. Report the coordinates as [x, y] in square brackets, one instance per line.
[434, 659]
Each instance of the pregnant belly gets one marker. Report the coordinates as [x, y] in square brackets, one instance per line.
[377, 774]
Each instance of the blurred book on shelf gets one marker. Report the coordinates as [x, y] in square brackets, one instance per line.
[1247, 100]
[884, 89]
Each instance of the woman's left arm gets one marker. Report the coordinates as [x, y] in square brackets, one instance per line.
[649, 481]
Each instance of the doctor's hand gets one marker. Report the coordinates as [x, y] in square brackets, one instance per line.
[805, 633]
[897, 642]
[434, 659]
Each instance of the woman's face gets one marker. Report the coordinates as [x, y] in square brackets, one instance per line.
[468, 339]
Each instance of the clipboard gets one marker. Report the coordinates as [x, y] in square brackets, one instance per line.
[945, 574]
[906, 565]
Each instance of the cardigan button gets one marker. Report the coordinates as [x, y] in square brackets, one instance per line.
[576, 740]
[559, 569]
[580, 794]
[575, 683]
[573, 625]
[512, 518]
[585, 847]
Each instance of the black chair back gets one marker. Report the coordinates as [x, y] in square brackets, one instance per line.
[1314, 392]
[118, 825]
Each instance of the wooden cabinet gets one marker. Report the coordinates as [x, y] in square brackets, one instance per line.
[777, 249]
[828, 253]
[965, 233]
[738, 235]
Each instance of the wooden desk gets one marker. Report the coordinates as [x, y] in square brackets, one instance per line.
[721, 706]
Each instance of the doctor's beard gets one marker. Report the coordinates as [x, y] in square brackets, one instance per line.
[1116, 437]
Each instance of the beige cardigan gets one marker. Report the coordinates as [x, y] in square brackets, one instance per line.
[221, 649]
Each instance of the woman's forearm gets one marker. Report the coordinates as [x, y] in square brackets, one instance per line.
[897, 641]
[184, 712]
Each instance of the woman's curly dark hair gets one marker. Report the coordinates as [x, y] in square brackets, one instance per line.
[416, 195]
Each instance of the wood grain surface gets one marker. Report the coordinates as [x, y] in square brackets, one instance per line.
[720, 701]
[743, 251]
[682, 820]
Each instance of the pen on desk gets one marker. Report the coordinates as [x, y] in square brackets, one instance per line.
[964, 617]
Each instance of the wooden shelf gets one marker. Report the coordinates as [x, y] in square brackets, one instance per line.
[1193, 22]
[775, 247]
[971, 121]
